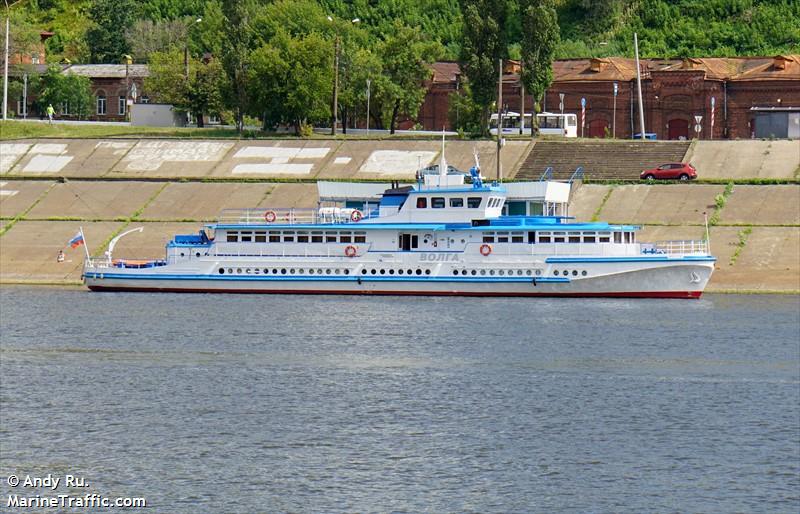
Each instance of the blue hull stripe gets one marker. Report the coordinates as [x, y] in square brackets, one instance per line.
[348, 278]
[590, 260]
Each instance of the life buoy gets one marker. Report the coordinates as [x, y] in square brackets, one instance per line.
[350, 251]
[485, 249]
[356, 216]
[270, 216]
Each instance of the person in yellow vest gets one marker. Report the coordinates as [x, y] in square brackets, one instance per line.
[50, 113]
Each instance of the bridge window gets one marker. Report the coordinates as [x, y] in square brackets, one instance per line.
[456, 202]
[422, 202]
[474, 202]
[437, 202]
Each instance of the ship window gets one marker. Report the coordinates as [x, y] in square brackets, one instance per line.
[517, 237]
[246, 237]
[261, 237]
[391, 272]
[363, 272]
[574, 237]
[627, 237]
[584, 273]
[316, 237]
[347, 272]
[544, 238]
[302, 237]
[456, 202]
[502, 237]
[555, 272]
[383, 271]
[372, 271]
[473, 202]
[330, 237]
[488, 238]
[345, 237]
[427, 272]
[437, 202]
[473, 273]
[400, 272]
[274, 236]
[531, 237]
[222, 271]
[558, 237]
[360, 237]
[422, 202]
[232, 237]
[288, 237]
[419, 271]
[617, 237]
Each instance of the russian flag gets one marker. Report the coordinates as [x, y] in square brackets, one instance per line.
[76, 241]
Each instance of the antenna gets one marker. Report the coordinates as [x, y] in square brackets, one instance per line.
[442, 164]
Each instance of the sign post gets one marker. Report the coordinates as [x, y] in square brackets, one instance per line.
[713, 101]
[583, 114]
[697, 126]
[614, 119]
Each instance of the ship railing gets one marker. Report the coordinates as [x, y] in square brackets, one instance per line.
[683, 247]
[292, 216]
[105, 263]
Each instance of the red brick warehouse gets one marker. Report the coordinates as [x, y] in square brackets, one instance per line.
[752, 96]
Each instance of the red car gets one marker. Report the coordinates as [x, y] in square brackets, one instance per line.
[672, 170]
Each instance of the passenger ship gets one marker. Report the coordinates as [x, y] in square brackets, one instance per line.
[440, 236]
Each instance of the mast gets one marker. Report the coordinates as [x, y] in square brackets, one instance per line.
[499, 118]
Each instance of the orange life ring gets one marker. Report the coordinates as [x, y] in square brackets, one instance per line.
[485, 249]
[350, 251]
[356, 216]
[270, 216]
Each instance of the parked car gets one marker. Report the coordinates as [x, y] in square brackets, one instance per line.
[672, 170]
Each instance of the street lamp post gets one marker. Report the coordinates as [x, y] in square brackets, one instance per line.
[368, 84]
[614, 119]
[186, 49]
[335, 105]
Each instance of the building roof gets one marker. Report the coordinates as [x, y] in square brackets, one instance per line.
[445, 72]
[107, 70]
[779, 67]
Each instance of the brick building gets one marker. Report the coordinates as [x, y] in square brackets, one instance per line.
[109, 83]
[752, 96]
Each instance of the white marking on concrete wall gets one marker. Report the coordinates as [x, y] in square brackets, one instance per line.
[390, 162]
[270, 152]
[6, 192]
[9, 153]
[47, 163]
[279, 160]
[150, 155]
[49, 148]
[342, 160]
[283, 168]
[119, 147]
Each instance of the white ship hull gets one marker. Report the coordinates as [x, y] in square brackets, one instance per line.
[650, 277]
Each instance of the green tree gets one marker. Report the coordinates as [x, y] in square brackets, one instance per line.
[540, 24]
[483, 45]
[406, 55]
[291, 79]
[106, 37]
[464, 113]
[59, 88]
[236, 54]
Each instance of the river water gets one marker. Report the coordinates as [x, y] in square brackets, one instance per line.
[216, 403]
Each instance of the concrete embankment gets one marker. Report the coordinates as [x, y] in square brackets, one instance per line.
[50, 188]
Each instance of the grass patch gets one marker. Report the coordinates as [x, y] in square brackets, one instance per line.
[596, 214]
[719, 203]
[740, 244]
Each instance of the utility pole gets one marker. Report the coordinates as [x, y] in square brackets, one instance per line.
[639, 85]
[499, 117]
[368, 84]
[614, 119]
[335, 86]
[5, 69]
[521, 104]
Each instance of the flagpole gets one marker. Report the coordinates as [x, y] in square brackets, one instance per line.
[85, 246]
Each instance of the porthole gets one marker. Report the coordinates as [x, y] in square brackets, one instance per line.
[291, 270]
[328, 271]
[584, 273]
[319, 271]
[266, 271]
[372, 271]
[419, 271]
[519, 272]
[473, 273]
[283, 271]
[410, 272]
[197, 254]
[463, 241]
[483, 272]
[425, 241]
[274, 271]
[574, 273]
[538, 272]
[455, 272]
[528, 272]
[491, 272]
[391, 272]
[247, 271]
[501, 272]
[363, 272]
[256, 271]
[427, 272]
[238, 270]
[383, 272]
[301, 271]
[565, 272]
[230, 270]
[311, 271]
[222, 271]
[463, 272]
[400, 272]
[337, 271]
[347, 272]
[555, 272]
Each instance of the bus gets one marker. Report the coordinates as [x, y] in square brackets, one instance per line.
[550, 124]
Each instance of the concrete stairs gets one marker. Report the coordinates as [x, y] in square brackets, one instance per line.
[601, 160]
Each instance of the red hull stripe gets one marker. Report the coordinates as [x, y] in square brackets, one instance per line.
[632, 294]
